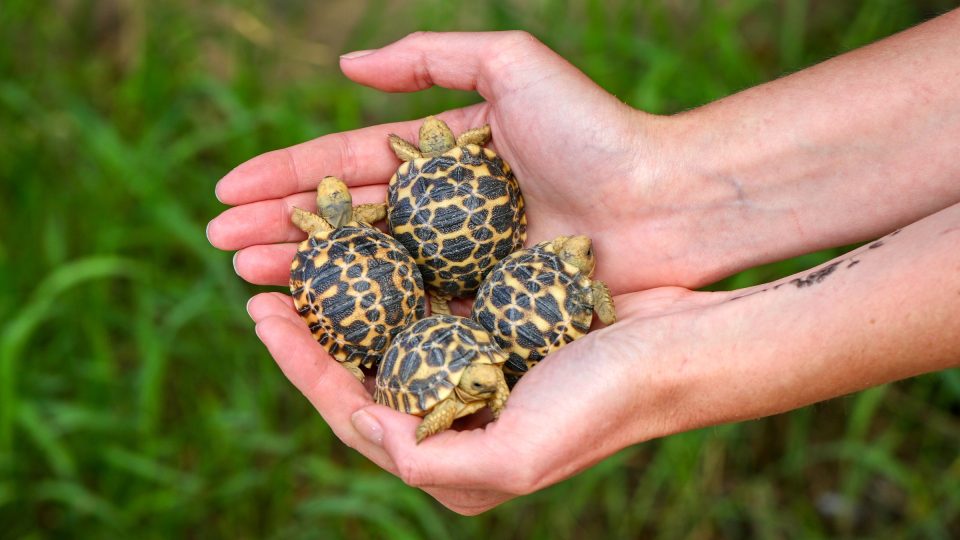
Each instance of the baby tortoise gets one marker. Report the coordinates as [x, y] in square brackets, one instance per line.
[353, 285]
[541, 298]
[442, 367]
[455, 206]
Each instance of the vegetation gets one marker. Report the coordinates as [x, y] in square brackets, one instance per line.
[135, 400]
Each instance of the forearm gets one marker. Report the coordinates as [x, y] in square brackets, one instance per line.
[841, 152]
[884, 312]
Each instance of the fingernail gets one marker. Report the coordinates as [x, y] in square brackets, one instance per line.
[235, 255]
[367, 425]
[256, 330]
[206, 232]
[216, 193]
[248, 307]
[356, 54]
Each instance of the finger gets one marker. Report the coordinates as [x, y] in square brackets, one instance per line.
[272, 304]
[489, 62]
[265, 265]
[540, 438]
[332, 390]
[468, 460]
[359, 157]
[268, 222]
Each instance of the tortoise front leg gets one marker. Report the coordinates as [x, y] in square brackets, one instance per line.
[404, 150]
[603, 302]
[437, 420]
[443, 415]
[309, 222]
[370, 212]
[479, 136]
[499, 399]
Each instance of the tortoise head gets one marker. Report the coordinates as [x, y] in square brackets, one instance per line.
[576, 250]
[436, 137]
[334, 202]
[480, 382]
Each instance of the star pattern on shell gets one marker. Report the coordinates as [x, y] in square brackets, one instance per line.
[533, 303]
[457, 214]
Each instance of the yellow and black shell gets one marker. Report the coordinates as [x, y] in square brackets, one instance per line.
[426, 361]
[457, 214]
[533, 303]
[356, 288]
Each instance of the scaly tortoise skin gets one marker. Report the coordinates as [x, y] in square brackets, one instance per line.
[541, 298]
[442, 367]
[354, 286]
[456, 207]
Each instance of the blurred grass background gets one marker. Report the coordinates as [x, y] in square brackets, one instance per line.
[135, 399]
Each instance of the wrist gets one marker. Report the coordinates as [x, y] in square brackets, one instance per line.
[693, 216]
[709, 365]
[877, 314]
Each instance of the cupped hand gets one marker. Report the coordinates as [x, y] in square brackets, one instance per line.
[586, 163]
[604, 392]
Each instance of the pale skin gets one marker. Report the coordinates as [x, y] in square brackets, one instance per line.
[845, 151]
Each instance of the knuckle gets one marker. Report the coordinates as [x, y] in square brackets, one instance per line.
[421, 73]
[346, 156]
[419, 35]
[519, 38]
[320, 385]
[349, 440]
[467, 511]
[411, 472]
[293, 171]
[511, 48]
[525, 476]
[523, 483]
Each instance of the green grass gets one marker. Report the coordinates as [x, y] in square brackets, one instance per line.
[136, 401]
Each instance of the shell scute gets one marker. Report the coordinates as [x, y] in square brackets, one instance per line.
[457, 214]
[533, 303]
[427, 359]
[356, 288]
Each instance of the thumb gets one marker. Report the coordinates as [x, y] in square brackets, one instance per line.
[488, 62]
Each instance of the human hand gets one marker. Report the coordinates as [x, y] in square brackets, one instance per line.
[674, 361]
[586, 162]
[772, 172]
[579, 406]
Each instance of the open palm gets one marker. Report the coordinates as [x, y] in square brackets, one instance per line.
[581, 156]
[563, 416]
[583, 160]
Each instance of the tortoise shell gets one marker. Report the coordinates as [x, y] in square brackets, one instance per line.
[356, 288]
[426, 361]
[457, 214]
[533, 303]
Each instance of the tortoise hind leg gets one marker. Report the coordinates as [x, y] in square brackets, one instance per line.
[439, 303]
[603, 302]
[355, 370]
